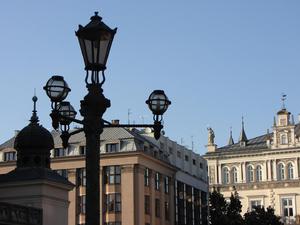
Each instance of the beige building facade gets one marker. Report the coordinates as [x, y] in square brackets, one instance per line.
[264, 170]
[143, 181]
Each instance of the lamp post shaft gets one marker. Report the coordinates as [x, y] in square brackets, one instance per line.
[92, 109]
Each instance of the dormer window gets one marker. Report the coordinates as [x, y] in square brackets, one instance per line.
[10, 156]
[112, 147]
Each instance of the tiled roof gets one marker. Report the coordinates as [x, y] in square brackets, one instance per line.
[112, 133]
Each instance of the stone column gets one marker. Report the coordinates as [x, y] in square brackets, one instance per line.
[274, 169]
[240, 178]
[269, 170]
[265, 171]
[244, 173]
[296, 169]
[219, 174]
[216, 174]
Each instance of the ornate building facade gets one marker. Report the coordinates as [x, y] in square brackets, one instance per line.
[264, 170]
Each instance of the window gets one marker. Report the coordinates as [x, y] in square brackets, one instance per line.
[186, 157]
[194, 162]
[284, 139]
[157, 181]
[255, 203]
[112, 175]
[250, 173]
[258, 173]
[113, 202]
[178, 154]
[112, 147]
[81, 176]
[167, 181]
[63, 173]
[147, 204]
[201, 165]
[287, 207]
[82, 201]
[167, 211]
[82, 150]
[280, 171]
[282, 122]
[10, 156]
[59, 152]
[234, 175]
[225, 175]
[170, 150]
[290, 169]
[157, 207]
[146, 177]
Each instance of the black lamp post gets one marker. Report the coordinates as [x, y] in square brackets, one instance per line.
[95, 41]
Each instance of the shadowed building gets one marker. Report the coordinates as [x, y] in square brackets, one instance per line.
[32, 183]
[143, 181]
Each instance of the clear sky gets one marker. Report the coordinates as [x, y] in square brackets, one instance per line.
[216, 60]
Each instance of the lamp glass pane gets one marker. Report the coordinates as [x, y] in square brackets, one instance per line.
[83, 50]
[89, 53]
[104, 44]
[56, 89]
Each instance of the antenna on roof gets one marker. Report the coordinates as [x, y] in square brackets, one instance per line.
[181, 141]
[142, 117]
[283, 99]
[128, 115]
[192, 139]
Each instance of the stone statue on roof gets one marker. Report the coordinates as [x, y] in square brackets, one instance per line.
[211, 136]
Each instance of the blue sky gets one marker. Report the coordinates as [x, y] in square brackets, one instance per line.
[216, 60]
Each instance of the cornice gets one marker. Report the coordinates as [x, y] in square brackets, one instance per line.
[251, 153]
[258, 185]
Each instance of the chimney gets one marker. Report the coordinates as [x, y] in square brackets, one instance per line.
[115, 122]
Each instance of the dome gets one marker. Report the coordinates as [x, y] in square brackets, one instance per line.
[33, 144]
[34, 136]
[283, 111]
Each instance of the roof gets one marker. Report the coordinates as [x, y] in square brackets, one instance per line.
[109, 133]
[257, 143]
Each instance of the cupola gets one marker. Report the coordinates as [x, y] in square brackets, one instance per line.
[33, 143]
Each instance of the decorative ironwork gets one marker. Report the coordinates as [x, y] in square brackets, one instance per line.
[11, 214]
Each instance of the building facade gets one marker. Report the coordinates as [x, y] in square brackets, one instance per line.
[264, 170]
[143, 181]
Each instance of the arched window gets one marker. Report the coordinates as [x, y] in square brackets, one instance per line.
[225, 175]
[280, 171]
[290, 171]
[258, 173]
[284, 139]
[250, 173]
[234, 175]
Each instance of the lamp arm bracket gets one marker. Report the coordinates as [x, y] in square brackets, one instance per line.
[129, 125]
[71, 119]
[76, 131]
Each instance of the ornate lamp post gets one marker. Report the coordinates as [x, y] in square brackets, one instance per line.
[95, 41]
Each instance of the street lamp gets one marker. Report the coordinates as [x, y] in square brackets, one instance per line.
[95, 41]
